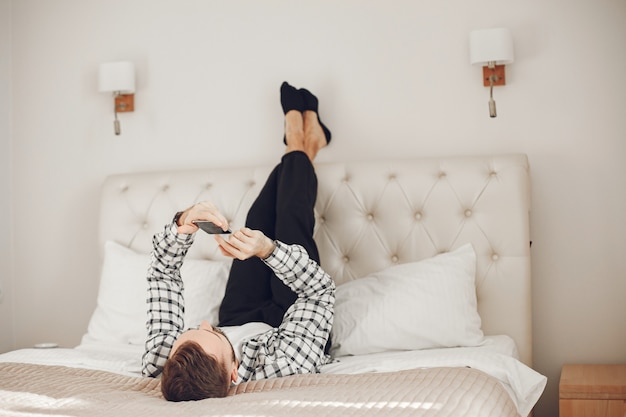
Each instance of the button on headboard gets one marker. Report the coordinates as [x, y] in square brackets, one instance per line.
[370, 215]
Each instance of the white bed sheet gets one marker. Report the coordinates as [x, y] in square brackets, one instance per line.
[496, 357]
[117, 358]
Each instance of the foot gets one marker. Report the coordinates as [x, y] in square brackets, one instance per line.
[314, 135]
[290, 98]
[291, 101]
[294, 131]
[311, 103]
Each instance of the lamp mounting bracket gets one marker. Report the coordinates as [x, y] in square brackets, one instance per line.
[124, 103]
[497, 71]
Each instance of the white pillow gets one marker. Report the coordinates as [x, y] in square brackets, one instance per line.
[121, 310]
[418, 305]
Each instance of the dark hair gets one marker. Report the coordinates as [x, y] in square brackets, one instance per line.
[192, 374]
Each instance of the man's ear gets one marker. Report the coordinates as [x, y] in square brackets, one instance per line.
[234, 375]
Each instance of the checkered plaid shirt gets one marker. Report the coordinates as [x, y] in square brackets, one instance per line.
[295, 347]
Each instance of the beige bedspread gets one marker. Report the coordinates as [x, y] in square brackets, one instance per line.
[35, 390]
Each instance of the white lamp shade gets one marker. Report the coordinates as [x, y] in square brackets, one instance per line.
[117, 76]
[491, 45]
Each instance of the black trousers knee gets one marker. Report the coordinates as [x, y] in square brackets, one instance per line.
[283, 211]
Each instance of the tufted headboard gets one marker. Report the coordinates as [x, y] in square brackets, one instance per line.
[370, 215]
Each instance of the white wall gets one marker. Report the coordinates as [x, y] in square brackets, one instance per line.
[6, 299]
[393, 80]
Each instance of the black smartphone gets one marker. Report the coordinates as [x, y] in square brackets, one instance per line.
[210, 227]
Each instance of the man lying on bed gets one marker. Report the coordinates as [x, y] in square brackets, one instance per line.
[278, 305]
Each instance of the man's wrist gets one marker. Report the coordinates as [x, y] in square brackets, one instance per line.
[269, 249]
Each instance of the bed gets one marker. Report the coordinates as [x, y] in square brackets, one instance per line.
[431, 257]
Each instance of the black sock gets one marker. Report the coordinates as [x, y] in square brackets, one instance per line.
[290, 98]
[311, 103]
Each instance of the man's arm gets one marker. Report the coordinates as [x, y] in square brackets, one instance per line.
[297, 346]
[166, 306]
[165, 297]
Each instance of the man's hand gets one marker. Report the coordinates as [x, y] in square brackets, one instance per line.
[200, 211]
[245, 243]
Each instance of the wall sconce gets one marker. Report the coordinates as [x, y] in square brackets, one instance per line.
[492, 48]
[118, 78]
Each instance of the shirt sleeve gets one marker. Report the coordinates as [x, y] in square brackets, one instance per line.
[297, 345]
[165, 300]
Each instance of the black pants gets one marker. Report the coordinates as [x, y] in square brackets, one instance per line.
[283, 210]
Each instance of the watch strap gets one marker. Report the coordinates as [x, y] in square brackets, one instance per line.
[177, 218]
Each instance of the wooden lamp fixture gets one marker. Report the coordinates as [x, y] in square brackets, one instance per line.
[493, 49]
[118, 78]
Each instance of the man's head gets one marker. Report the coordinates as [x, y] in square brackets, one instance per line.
[202, 364]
